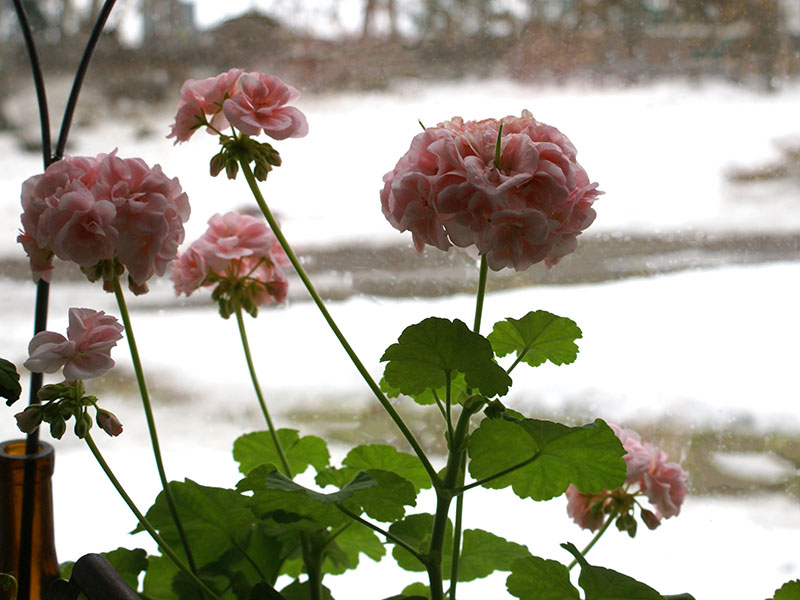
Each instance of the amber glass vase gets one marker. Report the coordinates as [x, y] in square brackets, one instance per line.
[40, 546]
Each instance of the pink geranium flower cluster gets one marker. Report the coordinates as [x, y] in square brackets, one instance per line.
[250, 102]
[85, 352]
[238, 255]
[92, 211]
[520, 200]
[648, 474]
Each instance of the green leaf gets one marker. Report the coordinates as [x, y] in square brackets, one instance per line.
[415, 530]
[458, 389]
[213, 519]
[600, 583]
[483, 553]
[254, 449]
[430, 352]
[301, 591]
[534, 578]
[128, 563]
[279, 481]
[379, 456]
[264, 591]
[416, 591]
[589, 457]
[343, 552]
[9, 382]
[287, 503]
[788, 591]
[387, 500]
[537, 337]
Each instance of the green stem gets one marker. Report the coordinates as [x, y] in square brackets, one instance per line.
[595, 539]
[151, 423]
[506, 471]
[393, 414]
[444, 496]
[457, 527]
[481, 294]
[262, 403]
[389, 536]
[162, 545]
[312, 559]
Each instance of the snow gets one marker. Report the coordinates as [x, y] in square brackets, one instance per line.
[699, 348]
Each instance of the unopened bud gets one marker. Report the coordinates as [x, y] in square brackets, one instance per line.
[109, 423]
[29, 419]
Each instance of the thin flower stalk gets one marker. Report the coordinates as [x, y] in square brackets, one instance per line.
[144, 522]
[393, 414]
[259, 394]
[151, 424]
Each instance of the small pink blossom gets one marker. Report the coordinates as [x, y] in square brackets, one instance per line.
[260, 105]
[201, 99]
[84, 353]
[233, 236]
[648, 474]
[239, 254]
[525, 205]
[585, 509]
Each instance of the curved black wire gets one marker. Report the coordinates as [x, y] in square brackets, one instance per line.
[83, 66]
[43, 287]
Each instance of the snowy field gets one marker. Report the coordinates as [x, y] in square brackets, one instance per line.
[699, 348]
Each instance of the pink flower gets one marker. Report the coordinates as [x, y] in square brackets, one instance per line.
[233, 236]
[260, 105]
[240, 256]
[43, 216]
[203, 98]
[665, 486]
[93, 210]
[84, 353]
[109, 422]
[523, 206]
[189, 271]
[151, 209]
[584, 509]
[647, 474]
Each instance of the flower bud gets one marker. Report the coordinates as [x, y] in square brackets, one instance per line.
[83, 423]
[57, 427]
[650, 519]
[29, 419]
[109, 422]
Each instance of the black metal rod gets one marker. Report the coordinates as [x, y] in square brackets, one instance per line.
[38, 79]
[80, 74]
[43, 287]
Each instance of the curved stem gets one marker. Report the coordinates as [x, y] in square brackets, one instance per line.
[481, 294]
[151, 423]
[80, 74]
[143, 521]
[393, 414]
[389, 536]
[262, 403]
[506, 471]
[595, 539]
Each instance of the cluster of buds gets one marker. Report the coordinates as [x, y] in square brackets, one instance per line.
[59, 403]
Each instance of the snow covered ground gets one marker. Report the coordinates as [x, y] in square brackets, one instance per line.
[712, 347]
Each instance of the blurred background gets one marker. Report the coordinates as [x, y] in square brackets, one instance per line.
[685, 112]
